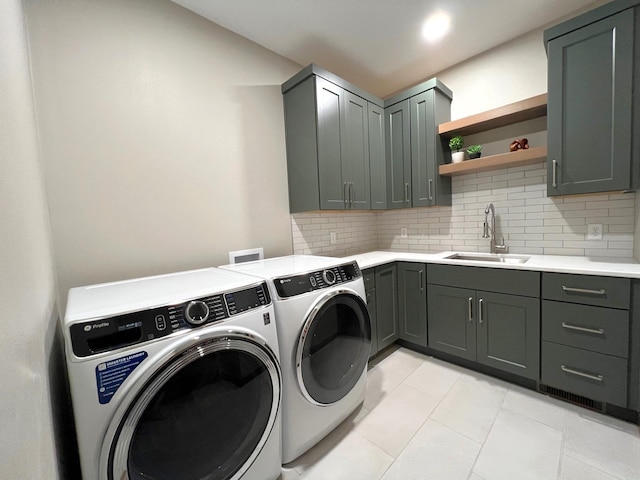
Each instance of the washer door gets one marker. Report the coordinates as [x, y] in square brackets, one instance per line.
[206, 414]
[333, 348]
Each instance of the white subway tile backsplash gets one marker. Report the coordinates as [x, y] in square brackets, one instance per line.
[530, 222]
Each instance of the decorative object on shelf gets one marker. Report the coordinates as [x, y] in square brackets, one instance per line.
[456, 143]
[474, 151]
[518, 144]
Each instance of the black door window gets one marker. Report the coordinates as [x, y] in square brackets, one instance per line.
[334, 348]
[205, 421]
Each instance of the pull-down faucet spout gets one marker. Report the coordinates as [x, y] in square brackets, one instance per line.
[492, 228]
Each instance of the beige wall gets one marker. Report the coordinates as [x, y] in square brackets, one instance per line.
[508, 73]
[162, 138]
[27, 285]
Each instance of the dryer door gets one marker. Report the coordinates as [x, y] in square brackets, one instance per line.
[333, 348]
[204, 415]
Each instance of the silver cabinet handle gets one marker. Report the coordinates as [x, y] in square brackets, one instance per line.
[480, 319]
[406, 193]
[344, 193]
[554, 173]
[597, 378]
[421, 283]
[350, 193]
[601, 291]
[470, 309]
[599, 331]
[430, 189]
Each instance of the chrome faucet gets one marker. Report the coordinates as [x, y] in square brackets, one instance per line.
[493, 247]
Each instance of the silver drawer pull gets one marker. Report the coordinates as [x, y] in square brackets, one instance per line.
[599, 331]
[602, 291]
[470, 309]
[597, 378]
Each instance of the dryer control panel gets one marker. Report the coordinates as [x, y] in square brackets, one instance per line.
[107, 334]
[309, 282]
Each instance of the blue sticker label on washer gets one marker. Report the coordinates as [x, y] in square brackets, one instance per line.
[110, 375]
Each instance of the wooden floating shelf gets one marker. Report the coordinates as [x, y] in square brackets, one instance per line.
[528, 109]
[493, 162]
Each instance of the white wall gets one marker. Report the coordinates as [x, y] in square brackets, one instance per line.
[162, 138]
[27, 285]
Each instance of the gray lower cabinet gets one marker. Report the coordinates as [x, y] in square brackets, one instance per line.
[591, 108]
[414, 148]
[368, 276]
[585, 335]
[412, 302]
[329, 142]
[386, 279]
[498, 325]
[452, 328]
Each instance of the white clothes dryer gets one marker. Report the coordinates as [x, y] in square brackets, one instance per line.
[324, 334]
[175, 377]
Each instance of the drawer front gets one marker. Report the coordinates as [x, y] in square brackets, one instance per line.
[603, 330]
[593, 375]
[590, 290]
[369, 278]
[499, 280]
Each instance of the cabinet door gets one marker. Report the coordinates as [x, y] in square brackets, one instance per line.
[331, 128]
[372, 306]
[377, 163]
[423, 152]
[386, 305]
[589, 117]
[412, 305]
[355, 160]
[509, 333]
[452, 325]
[398, 148]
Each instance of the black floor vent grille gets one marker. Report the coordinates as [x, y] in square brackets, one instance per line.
[572, 397]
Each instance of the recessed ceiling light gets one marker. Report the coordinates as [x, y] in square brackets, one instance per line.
[436, 27]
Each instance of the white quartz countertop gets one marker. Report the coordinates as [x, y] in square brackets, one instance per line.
[610, 267]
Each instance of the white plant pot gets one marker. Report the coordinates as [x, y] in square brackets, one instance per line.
[457, 157]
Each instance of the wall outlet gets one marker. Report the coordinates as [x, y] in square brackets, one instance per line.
[594, 231]
[403, 232]
[334, 238]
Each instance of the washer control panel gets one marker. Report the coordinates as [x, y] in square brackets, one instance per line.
[309, 282]
[107, 334]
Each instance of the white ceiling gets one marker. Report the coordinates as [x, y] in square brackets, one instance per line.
[377, 44]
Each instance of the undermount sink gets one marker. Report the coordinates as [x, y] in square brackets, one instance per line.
[489, 257]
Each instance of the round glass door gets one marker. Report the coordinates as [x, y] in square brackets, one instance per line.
[333, 348]
[204, 416]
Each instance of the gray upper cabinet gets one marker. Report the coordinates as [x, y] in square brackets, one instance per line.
[377, 165]
[329, 141]
[414, 148]
[398, 151]
[591, 107]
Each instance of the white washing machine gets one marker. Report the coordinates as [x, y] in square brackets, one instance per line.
[175, 377]
[324, 333]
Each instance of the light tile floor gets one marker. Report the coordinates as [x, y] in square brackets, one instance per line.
[424, 419]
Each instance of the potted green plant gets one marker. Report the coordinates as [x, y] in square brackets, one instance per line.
[455, 144]
[474, 151]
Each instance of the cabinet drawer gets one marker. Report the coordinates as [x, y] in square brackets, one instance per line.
[602, 330]
[499, 280]
[369, 278]
[590, 290]
[593, 375]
